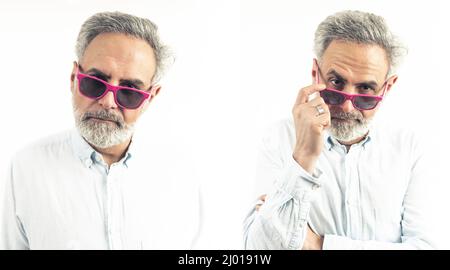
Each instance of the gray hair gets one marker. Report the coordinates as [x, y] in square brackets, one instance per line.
[359, 27]
[117, 22]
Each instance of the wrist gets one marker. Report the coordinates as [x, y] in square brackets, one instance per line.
[307, 162]
[320, 243]
[313, 242]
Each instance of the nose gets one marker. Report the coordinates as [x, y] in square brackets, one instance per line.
[347, 106]
[108, 101]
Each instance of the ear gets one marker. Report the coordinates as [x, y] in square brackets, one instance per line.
[73, 75]
[391, 81]
[314, 72]
[155, 90]
[153, 93]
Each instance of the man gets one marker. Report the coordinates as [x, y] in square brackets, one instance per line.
[101, 186]
[334, 180]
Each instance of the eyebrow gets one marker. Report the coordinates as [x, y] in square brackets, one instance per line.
[333, 72]
[136, 82]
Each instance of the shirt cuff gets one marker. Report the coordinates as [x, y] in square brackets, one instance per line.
[314, 177]
[295, 180]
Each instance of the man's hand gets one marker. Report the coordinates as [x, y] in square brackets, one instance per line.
[261, 201]
[312, 241]
[309, 126]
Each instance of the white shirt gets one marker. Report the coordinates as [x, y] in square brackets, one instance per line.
[376, 196]
[60, 194]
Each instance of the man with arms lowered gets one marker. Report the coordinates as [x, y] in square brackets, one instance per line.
[101, 185]
[336, 180]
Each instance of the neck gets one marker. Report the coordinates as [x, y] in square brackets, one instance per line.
[349, 144]
[114, 153]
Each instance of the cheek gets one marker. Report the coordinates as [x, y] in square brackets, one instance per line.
[81, 102]
[130, 116]
[369, 114]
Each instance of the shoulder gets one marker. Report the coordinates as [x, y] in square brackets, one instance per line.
[276, 143]
[164, 155]
[397, 135]
[399, 140]
[279, 133]
[52, 146]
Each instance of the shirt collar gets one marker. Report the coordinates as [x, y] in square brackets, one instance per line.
[330, 141]
[89, 156]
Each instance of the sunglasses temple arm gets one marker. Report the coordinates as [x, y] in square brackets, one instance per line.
[384, 89]
[317, 71]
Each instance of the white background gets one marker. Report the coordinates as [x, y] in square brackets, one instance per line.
[239, 66]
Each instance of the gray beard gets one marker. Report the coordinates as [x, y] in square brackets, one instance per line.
[346, 131]
[102, 134]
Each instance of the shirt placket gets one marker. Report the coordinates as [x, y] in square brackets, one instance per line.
[352, 194]
[114, 201]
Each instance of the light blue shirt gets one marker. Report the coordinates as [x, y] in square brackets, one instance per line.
[378, 195]
[60, 194]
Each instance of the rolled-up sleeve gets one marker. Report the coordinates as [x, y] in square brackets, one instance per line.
[281, 222]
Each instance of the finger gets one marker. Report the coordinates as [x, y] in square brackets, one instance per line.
[317, 101]
[262, 197]
[315, 104]
[324, 120]
[304, 93]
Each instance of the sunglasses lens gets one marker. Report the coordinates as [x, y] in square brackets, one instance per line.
[331, 97]
[130, 99]
[92, 88]
[366, 103]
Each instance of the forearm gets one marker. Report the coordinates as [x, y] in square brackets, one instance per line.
[275, 228]
[281, 222]
[333, 242]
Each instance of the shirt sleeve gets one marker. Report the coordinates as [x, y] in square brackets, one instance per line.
[199, 237]
[12, 235]
[281, 222]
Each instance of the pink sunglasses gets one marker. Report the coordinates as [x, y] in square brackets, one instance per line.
[360, 101]
[95, 88]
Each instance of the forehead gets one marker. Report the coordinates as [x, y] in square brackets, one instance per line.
[356, 61]
[120, 55]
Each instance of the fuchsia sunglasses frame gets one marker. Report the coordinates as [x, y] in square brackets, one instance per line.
[112, 88]
[352, 97]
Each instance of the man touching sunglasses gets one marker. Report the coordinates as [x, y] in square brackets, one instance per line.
[334, 181]
[101, 185]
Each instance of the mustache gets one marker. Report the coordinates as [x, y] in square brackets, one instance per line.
[104, 115]
[355, 115]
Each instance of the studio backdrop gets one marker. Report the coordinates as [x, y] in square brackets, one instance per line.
[238, 68]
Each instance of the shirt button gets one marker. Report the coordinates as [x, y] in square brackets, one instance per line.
[88, 162]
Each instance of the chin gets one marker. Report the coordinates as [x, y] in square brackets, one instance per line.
[345, 133]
